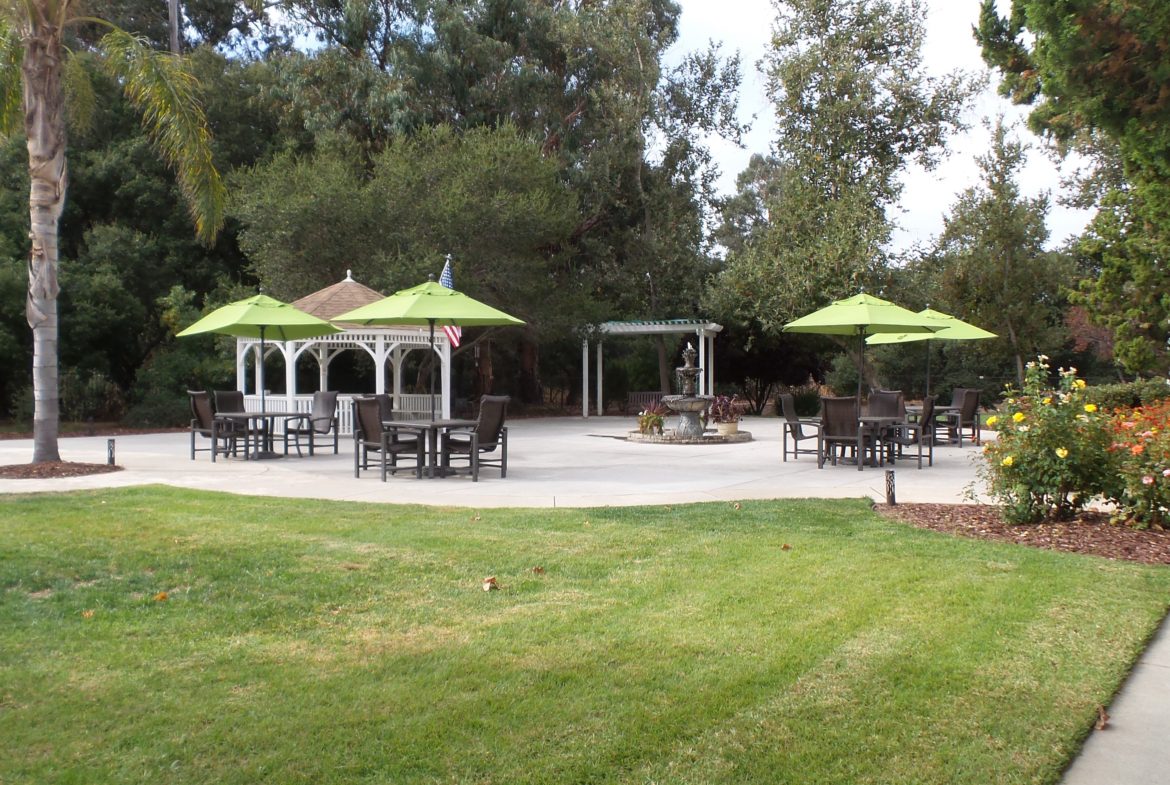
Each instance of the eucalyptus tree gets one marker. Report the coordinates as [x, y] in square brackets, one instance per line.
[854, 107]
[41, 81]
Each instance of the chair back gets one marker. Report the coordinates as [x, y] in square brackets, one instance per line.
[324, 410]
[968, 407]
[839, 416]
[493, 409]
[367, 419]
[201, 409]
[385, 406]
[887, 403]
[788, 410]
[927, 410]
[229, 401]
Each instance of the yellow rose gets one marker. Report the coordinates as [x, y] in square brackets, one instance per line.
[1061, 452]
[1008, 461]
[1079, 384]
[1090, 407]
[991, 421]
[1018, 417]
[1047, 401]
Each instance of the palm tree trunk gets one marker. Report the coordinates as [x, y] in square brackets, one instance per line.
[44, 126]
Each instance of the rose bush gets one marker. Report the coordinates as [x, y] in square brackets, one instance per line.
[1052, 454]
[1141, 446]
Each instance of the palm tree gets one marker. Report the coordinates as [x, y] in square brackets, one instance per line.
[34, 67]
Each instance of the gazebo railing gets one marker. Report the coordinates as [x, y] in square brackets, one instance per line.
[413, 405]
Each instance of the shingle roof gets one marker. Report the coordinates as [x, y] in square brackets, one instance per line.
[338, 298]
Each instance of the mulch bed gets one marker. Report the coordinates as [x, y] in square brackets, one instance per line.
[1090, 532]
[51, 469]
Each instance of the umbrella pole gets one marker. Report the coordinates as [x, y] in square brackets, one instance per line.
[261, 374]
[927, 342]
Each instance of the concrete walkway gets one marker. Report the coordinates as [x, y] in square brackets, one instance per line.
[574, 462]
[552, 462]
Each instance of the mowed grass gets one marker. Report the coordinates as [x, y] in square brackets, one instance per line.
[773, 642]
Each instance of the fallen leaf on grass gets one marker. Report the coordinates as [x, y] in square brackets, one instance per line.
[736, 505]
[162, 596]
[785, 547]
[490, 583]
[87, 614]
[1102, 718]
[475, 517]
[538, 570]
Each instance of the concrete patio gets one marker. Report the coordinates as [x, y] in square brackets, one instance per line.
[552, 462]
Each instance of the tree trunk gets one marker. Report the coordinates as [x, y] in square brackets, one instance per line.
[484, 375]
[173, 19]
[663, 370]
[529, 372]
[44, 127]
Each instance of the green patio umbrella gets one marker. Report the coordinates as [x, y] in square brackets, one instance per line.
[431, 304]
[952, 328]
[861, 315]
[261, 317]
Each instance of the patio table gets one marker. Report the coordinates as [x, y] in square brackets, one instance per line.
[432, 429]
[873, 426]
[260, 426]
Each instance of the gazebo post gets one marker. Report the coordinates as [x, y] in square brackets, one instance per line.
[445, 383]
[241, 366]
[290, 375]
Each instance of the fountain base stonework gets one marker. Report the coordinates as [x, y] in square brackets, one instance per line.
[690, 409]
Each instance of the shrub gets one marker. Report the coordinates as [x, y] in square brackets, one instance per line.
[1128, 395]
[1052, 453]
[1141, 443]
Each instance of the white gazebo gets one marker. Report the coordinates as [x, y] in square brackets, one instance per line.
[704, 334]
[384, 345]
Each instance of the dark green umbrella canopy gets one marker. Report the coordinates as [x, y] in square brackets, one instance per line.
[261, 317]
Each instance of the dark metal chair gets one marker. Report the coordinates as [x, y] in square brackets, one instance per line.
[839, 431]
[204, 423]
[488, 434]
[887, 403]
[390, 444]
[320, 421]
[966, 415]
[796, 428]
[913, 434]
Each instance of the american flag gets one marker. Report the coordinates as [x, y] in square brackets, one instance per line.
[454, 332]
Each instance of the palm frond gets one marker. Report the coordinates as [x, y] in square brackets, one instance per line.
[11, 86]
[159, 86]
[80, 100]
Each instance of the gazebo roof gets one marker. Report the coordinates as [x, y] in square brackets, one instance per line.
[338, 298]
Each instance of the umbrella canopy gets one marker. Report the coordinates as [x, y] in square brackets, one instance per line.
[429, 303]
[952, 329]
[261, 317]
[861, 315]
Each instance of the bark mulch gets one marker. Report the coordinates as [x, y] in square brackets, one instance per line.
[1090, 532]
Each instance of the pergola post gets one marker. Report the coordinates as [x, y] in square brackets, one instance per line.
[584, 377]
[600, 395]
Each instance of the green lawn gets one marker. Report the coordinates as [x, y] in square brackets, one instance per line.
[318, 642]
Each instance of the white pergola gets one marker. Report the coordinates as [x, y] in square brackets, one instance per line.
[704, 333]
[386, 346]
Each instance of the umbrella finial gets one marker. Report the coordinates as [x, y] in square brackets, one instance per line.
[431, 277]
[349, 275]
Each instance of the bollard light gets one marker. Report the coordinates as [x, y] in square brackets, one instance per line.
[110, 451]
[890, 500]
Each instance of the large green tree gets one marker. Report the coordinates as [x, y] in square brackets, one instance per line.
[34, 73]
[993, 266]
[1092, 68]
[854, 107]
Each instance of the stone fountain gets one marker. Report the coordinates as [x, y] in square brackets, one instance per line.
[689, 406]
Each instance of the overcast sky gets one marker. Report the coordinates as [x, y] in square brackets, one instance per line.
[746, 25]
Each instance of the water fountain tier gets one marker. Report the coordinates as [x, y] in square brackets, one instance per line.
[689, 406]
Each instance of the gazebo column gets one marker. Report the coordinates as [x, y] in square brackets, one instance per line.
[396, 358]
[257, 381]
[380, 354]
[445, 377]
[584, 377]
[242, 366]
[701, 337]
[323, 359]
[290, 375]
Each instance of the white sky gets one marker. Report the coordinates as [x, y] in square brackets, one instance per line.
[746, 25]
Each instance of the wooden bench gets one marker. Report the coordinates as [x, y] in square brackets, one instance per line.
[641, 401]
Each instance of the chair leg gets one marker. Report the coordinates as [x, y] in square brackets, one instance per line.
[504, 455]
[475, 457]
